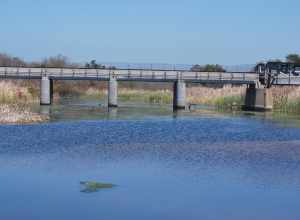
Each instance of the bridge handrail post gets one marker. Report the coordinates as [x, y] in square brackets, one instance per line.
[244, 76]
[29, 72]
[165, 75]
[141, 74]
[85, 72]
[220, 76]
[5, 71]
[97, 71]
[153, 74]
[61, 72]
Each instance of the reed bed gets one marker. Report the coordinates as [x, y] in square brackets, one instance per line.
[149, 96]
[223, 97]
[135, 95]
[286, 99]
[11, 93]
[14, 101]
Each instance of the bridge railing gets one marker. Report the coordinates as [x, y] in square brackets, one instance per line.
[286, 79]
[124, 74]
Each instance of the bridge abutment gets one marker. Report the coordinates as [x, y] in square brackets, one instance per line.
[258, 99]
[46, 95]
[112, 92]
[179, 95]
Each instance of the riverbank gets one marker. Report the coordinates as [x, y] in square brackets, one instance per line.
[16, 97]
[14, 104]
[18, 114]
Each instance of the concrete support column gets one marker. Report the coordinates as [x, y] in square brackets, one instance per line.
[46, 95]
[113, 92]
[179, 95]
[258, 99]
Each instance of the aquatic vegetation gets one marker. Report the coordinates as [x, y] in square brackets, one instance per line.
[229, 102]
[146, 96]
[90, 186]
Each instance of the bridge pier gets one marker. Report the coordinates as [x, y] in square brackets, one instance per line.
[179, 95]
[258, 99]
[46, 95]
[113, 92]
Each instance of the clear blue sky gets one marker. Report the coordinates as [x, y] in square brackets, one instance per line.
[162, 31]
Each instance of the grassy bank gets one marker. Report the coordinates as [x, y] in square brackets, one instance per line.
[14, 104]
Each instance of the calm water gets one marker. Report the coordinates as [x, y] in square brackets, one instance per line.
[199, 165]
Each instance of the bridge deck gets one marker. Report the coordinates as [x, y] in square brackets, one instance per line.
[129, 75]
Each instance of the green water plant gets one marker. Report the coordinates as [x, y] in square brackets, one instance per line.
[229, 102]
[91, 186]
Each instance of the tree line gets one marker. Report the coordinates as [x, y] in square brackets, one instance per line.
[58, 61]
[208, 68]
[61, 61]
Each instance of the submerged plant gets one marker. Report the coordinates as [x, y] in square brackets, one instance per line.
[90, 186]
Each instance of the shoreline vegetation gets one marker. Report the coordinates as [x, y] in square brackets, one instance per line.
[14, 104]
[16, 97]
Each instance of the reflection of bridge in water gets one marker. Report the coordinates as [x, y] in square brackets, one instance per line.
[256, 97]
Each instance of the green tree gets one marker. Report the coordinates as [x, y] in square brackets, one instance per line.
[7, 60]
[58, 61]
[94, 65]
[293, 58]
[208, 68]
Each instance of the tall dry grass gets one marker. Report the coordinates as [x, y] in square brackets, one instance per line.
[214, 96]
[12, 93]
[136, 95]
[14, 100]
[286, 99]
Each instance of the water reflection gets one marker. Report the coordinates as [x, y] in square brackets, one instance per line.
[112, 113]
[45, 110]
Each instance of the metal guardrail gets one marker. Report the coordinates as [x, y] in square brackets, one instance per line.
[287, 80]
[127, 74]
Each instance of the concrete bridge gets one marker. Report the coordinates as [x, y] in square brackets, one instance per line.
[256, 98]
